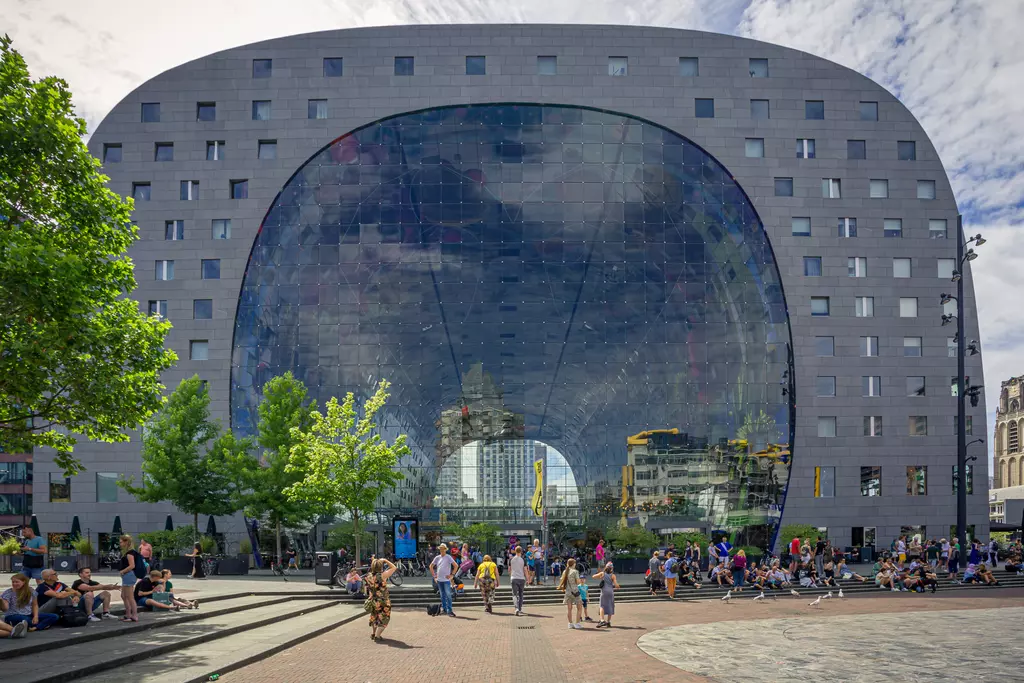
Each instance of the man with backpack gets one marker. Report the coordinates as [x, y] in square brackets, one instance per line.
[671, 575]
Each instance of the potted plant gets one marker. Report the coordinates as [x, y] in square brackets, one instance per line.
[245, 551]
[8, 549]
[87, 556]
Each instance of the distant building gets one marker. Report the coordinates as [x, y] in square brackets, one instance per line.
[1008, 461]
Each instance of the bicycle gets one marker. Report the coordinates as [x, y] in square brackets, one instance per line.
[210, 563]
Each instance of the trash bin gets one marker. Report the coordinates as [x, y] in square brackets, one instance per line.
[325, 567]
[867, 554]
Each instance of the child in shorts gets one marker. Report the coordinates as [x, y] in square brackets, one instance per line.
[583, 596]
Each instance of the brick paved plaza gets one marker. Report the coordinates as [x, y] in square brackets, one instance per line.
[901, 637]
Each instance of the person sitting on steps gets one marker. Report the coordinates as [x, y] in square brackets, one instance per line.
[167, 587]
[354, 582]
[144, 590]
[21, 608]
[95, 595]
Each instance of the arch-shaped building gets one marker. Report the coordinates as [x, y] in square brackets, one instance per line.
[705, 270]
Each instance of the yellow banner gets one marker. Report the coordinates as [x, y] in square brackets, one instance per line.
[538, 492]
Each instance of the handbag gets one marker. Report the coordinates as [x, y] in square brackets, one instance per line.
[368, 605]
[71, 616]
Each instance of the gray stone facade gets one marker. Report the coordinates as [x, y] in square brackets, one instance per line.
[654, 89]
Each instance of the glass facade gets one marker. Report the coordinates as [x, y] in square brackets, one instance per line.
[542, 285]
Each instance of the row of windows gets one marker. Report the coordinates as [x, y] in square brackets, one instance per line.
[832, 188]
[871, 385]
[847, 227]
[912, 347]
[164, 151]
[857, 266]
[202, 309]
[917, 425]
[906, 150]
[189, 190]
[864, 306]
[871, 481]
[210, 269]
[220, 229]
[106, 488]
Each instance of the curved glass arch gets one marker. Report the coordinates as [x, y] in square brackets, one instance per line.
[570, 276]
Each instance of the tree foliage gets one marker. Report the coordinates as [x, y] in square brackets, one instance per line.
[345, 461]
[483, 535]
[344, 536]
[77, 356]
[633, 539]
[184, 459]
[805, 532]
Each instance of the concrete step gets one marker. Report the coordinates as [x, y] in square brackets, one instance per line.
[82, 659]
[196, 663]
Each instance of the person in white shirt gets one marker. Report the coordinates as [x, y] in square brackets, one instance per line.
[520, 574]
[442, 569]
[538, 561]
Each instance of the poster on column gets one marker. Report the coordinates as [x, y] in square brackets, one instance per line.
[406, 535]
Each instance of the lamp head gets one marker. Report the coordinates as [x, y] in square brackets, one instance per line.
[946, 298]
[956, 276]
[979, 240]
[947, 319]
[971, 255]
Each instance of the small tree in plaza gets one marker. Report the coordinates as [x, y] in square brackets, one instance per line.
[346, 463]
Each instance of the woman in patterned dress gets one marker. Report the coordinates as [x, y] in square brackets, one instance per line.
[376, 585]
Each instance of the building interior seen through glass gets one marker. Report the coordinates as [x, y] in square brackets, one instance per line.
[539, 283]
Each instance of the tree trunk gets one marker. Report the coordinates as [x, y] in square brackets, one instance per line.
[278, 534]
[195, 527]
[355, 529]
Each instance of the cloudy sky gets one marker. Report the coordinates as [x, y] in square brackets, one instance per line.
[952, 62]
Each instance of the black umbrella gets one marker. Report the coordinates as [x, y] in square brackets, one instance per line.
[168, 525]
[35, 525]
[211, 526]
[117, 527]
[76, 529]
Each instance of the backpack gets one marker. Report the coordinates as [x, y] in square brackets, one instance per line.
[71, 617]
[433, 610]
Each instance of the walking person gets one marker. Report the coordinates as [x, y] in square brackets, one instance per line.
[442, 569]
[570, 585]
[953, 566]
[378, 596]
[487, 580]
[819, 556]
[146, 552]
[739, 569]
[198, 571]
[654, 574]
[599, 553]
[519, 575]
[993, 553]
[671, 575]
[33, 554]
[607, 587]
[130, 568]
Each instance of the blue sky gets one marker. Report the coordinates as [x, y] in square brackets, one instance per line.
[956, 64]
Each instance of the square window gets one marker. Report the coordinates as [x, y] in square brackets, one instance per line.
[759, 109]
[199, 349]
[141, 192]
[868, 347]
[969, 477]
[856, 149]
[150, 112]
[334, 67]
[825, 387]
[316, 109]
[908, 307]
[106, 487]
[831, 188]
[158, 307]
[689, 66]
[969, 430]
[892, 227]
[804, 148]
[819, 305]
[189, 190]
[759, 68]
[916, 386]
[869, 111]
[266, 149]
[857, 266]
[824, 346]
[476, 66]
[163, 151]
[262, 68]
[945, 268]
[824, 482]
[547, 65]
[901, 267]
[174, 230]
[812, 266]
[206, 111]
[704, 108]
[112, 153]
[814, 109]
[221, 228]
[801, 226]
[871, 386]
[211, 268]
[906, 150]
[826, 427]
[871, 480]
[239, 189]
[214, 150]
[617, 66]
[917, 475]
[755, 148]
[202, 309]
[937, 228]
[165, 270]
[261, 110]
[878, 189]
[60, 488]
[912, 347]
[865, 306]
[405, 66]
[783, 187]
[872, 425]
[926, 189]
[847, 227]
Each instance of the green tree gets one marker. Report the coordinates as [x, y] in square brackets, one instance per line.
[633, 539]
[346, 462]
[482, 535]
[183, 457]
[805, 532]
[77, 356]
[344, 536]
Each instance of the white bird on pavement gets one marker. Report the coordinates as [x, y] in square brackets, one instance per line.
[727, 597]
[817, 602]
[841, 596]
[793, 593]
[759, 597]
[828, 595]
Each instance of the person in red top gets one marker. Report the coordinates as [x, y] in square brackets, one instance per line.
[794, 546]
